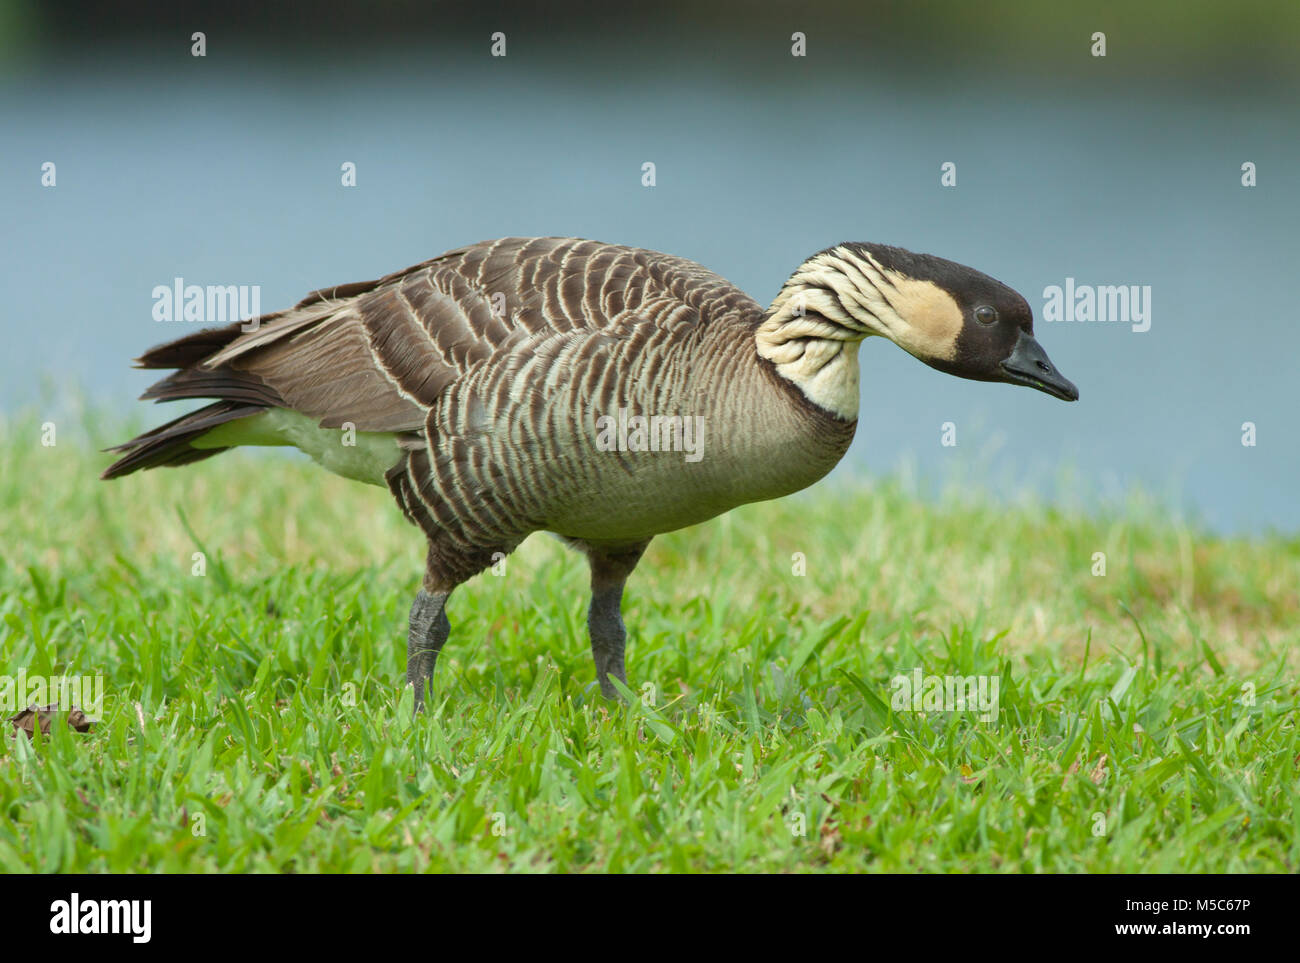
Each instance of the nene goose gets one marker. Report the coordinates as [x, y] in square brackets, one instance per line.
[600, 392]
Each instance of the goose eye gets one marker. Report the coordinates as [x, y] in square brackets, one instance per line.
[985, 314]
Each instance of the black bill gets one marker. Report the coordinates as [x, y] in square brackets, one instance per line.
[1029, 365]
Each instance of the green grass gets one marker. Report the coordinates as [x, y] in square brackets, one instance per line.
[254, 720]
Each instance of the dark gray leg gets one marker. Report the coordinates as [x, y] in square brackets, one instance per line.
[610, 569]
[608, 637]
[429, 631]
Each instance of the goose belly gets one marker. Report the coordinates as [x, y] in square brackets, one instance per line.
[632, 495]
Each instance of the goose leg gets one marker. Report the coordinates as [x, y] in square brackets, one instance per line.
[429, 629]
[610, 569]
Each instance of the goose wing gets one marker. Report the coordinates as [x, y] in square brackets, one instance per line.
[378, 354]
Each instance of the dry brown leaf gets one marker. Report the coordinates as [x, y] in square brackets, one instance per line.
[29, 718]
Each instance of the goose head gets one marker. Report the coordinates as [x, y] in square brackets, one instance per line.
[952, 317]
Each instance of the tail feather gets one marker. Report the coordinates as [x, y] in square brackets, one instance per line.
[214, 363]
[228, 384]
[169, 444]
[240, 393]
[190, 349]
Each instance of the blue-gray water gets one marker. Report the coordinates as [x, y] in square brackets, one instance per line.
[229, 173]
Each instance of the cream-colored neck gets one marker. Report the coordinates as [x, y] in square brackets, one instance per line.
[816, 353]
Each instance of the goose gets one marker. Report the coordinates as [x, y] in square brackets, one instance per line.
[603, 393]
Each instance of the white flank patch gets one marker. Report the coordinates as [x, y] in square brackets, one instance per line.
[370, 455]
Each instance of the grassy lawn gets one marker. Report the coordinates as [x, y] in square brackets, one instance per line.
[253, 720]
